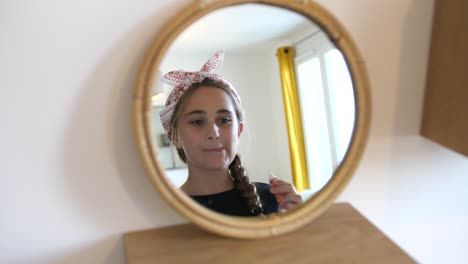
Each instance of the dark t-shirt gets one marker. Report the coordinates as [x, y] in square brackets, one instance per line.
[232, 203]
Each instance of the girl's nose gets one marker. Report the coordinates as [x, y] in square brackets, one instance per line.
[213, 132]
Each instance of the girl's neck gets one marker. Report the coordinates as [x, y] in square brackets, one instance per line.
[204, 182]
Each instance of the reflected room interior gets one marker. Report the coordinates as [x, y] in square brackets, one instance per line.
[253, 47]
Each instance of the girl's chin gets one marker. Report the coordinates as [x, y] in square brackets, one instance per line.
[211, 165]
[220, 165]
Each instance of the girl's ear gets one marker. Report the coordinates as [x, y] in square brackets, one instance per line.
[241, 128]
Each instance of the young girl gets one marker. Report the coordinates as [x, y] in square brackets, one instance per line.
[204, 120]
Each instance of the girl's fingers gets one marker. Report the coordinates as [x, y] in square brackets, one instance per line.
[279, 186]
[285, 194]
[290, 201]
[283, 189]
[276, 181]
[292, 198]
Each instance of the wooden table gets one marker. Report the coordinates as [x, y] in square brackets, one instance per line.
[340, 235]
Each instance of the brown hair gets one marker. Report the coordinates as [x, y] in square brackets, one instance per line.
[236, 170]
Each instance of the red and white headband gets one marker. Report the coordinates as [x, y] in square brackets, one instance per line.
[183, 80]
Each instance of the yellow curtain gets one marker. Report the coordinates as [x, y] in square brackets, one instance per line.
[293, 118]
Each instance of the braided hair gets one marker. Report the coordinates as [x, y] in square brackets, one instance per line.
[243, 184]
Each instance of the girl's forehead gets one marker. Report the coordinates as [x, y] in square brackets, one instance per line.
[209, 98]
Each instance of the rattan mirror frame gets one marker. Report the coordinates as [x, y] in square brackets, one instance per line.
[258, 227]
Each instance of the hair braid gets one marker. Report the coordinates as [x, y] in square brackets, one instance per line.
[243, 184]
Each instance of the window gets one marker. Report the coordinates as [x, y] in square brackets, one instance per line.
[327, 106]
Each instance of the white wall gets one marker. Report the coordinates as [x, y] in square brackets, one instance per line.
[411, 188]
[72, 181]
[415, 192]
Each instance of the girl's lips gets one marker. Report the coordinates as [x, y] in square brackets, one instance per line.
[214, 149]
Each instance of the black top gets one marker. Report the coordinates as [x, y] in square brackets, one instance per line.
[232, 203]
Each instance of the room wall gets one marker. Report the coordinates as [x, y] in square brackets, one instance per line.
[72, 180]
[408, 186]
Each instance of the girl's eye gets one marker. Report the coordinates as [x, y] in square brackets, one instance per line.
[225, 120]
[196, 122]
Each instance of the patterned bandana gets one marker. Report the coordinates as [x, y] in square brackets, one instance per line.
[182, 81]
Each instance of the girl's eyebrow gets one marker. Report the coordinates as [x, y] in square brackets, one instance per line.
[202, 112]
[195, 112]
[224, 111]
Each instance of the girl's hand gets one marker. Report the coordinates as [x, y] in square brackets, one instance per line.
[285, 194]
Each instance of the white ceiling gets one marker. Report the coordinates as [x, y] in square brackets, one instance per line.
[240, 27]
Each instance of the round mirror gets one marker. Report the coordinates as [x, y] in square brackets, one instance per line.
[304, 93]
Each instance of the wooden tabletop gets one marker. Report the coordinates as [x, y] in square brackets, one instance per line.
[340, 235]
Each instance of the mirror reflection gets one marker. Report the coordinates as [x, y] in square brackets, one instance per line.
[251, 36]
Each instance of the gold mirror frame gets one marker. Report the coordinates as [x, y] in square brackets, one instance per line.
[256, 227]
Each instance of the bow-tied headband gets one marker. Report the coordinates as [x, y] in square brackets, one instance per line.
[183, 80]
